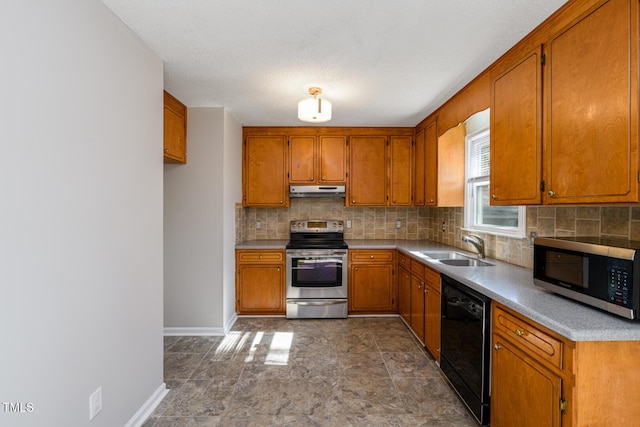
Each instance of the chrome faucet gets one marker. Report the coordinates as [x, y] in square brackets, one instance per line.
[477, 243]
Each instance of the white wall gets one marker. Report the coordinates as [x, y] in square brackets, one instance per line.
[232, 195]
[80, 214]
[199, 222]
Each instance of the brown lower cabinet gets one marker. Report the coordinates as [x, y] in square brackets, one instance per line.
[260, 284]
[419, 301]
[372, 282]
[539, 378]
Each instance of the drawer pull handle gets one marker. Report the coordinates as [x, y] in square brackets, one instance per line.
[278, 268]
[519, 332]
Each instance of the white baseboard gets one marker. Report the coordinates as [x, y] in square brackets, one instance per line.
[230, 322]
[148, 407]
[200, 331]
[194, 331]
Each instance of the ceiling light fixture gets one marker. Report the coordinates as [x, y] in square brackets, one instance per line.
[314, 110]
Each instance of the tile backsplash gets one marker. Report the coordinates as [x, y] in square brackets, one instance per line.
[444, 225]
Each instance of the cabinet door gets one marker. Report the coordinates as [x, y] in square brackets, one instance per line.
[419, 159]
[265, 171]
[400, 171]
[451, 167]
[432, 322]
[431, 165]
[175, 130]
[371, 289]
[432, 312]
[523, 393]
[260, 289]
[367, 171]
[332, 152]
[591, 108]
[516, 132]
[417, 307]
[302, 168]
[404, 295]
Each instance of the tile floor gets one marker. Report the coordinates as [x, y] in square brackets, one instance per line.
[331, 372]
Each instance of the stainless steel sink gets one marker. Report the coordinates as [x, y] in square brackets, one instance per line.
[467, 262]
[444, 255]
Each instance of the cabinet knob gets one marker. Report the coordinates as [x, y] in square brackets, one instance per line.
[353, 201]
[430, 200]
[281, 202]
[371, 257]
[278, 269]
[551, 193]
[393, 201]
[310, 179]
[259, 256]
[324, 179]
[497, 347]
[166, 150]
[356, 269]
[494, 197]
[519, 332]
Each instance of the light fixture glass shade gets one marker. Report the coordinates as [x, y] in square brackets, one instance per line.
[314, 110]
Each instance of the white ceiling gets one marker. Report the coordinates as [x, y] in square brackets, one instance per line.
[380, 62]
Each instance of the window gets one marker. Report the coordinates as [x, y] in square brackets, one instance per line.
[479, 214]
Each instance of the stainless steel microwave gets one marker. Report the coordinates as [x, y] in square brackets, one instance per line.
[603, 273]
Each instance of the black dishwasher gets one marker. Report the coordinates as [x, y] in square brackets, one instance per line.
[465, 344]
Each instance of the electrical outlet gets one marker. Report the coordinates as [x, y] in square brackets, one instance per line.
[258, 225]
[95, 403]
[398, 224]
[443, 227]
[348, 223]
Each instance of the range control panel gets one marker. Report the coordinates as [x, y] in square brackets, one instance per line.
[317, 226]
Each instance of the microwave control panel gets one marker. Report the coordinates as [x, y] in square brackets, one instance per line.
[620, 286]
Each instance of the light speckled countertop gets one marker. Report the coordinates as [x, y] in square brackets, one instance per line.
[509, 285]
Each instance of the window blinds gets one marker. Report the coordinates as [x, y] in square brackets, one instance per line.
[479, 157]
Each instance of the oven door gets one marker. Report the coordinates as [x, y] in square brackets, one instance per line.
[320, 273]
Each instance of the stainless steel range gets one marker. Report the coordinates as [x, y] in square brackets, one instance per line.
[317, 270]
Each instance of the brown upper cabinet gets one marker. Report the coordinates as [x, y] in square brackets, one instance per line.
[375, 164]
[400, 170]
[576, 77]
[516, 129]
[450, 171]
[175, 130]
[317, 160]
[591, 107]
[264, 171]
[426, 165]
[367, 171]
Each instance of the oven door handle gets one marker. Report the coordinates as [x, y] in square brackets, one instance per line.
[326, 302]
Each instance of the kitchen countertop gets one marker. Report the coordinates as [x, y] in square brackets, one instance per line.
[263, 244]
[509, 285]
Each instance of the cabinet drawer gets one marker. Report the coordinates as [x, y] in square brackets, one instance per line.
[371, 256]
[432, 278]
[528, 337]
[404, 261]
[257, 256]
[417, 268]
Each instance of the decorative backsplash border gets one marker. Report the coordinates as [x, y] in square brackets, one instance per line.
[444, 225]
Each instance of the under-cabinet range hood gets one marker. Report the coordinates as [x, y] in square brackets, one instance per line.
[316, 191]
